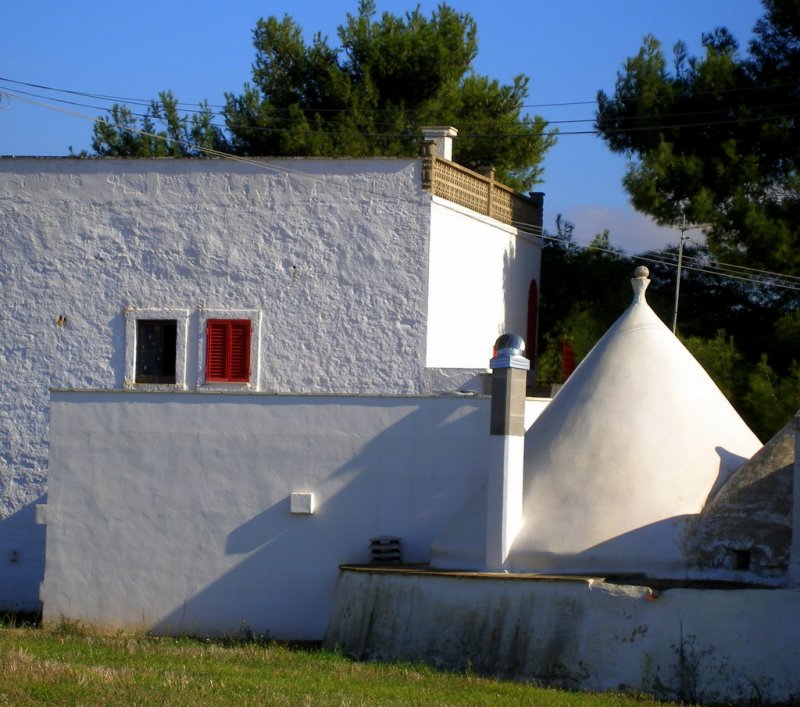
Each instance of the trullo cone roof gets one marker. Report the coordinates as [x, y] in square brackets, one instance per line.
[621, 461]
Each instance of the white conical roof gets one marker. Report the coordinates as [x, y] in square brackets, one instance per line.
[624, 456]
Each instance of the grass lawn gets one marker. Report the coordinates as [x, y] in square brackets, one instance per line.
[69, 664]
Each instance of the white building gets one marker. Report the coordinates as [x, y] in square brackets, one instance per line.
[194, 513]
[371, 277]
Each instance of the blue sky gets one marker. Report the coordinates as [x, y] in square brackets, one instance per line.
[201, 49]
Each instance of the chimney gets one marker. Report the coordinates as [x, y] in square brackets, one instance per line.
[442, 138]
[506, 448]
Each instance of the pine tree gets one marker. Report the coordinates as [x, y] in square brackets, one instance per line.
[715, 139]
[369, 96]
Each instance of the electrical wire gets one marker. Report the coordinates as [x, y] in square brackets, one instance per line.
[665, 119]
[752, 276]
[736, 272]
[463, 133]
[557, 104]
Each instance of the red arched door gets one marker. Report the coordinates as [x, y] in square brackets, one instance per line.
[533, 321]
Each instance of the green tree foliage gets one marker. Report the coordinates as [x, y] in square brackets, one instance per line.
[722, 361]
[367, 97]
[771, 399]
[715, 137]
[747, 310]
[764, 397]
[583, 290]
[751, 355]
[392, 76]
[161, 132]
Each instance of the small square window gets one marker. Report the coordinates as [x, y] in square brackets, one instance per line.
[228, 350]
[156, 346]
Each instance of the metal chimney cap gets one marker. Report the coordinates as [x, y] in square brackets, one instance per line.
[512, 343]
[508, 353]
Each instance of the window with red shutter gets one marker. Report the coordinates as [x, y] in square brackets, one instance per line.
[228, 350]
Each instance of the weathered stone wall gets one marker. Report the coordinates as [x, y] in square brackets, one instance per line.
[744, 532]
[697, 645]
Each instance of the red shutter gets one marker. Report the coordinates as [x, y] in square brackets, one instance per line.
[567, 360]
[228, 350]
[239, 358]
[216, 348]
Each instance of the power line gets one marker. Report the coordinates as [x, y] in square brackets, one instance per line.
[778, 280]
[665, 118]
[99, 96]
[464, 133]
[556, 104]
[732, 267]
[20, 92]
[763, 278]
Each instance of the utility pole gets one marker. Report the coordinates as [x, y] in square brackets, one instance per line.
[683, 228]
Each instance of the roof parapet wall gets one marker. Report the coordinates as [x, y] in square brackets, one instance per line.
[482, 194]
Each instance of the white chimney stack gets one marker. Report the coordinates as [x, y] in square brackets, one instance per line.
[506, 449]
[442, 138]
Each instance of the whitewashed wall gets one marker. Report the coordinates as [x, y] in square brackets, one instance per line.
[330, 255]
[719, 646]
[333, 252]
[171, 511]
[478, 285]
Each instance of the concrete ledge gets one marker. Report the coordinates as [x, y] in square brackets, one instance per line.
[709, 645]
[428, 571]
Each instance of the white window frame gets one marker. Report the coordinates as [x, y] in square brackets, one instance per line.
[254, 315]
[133, 315]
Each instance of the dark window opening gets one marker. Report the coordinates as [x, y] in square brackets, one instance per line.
[741, 560]
[156, 347]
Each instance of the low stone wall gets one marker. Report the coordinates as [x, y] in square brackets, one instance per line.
[709, 645]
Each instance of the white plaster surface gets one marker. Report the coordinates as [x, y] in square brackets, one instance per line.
[504, 497]
[171, 511]
[696, 645]
[626, 455]
[478, 287]
[331, 256]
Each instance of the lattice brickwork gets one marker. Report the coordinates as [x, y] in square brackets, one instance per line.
[481, 194]
[461, 186]
[502, 204]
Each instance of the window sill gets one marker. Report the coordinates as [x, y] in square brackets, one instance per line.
[154, 387]
[222, 386]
